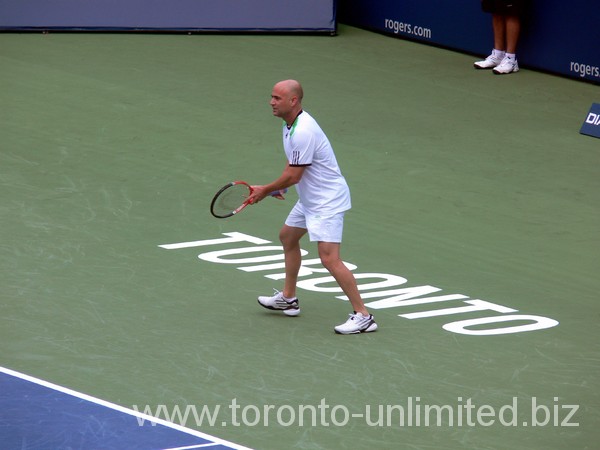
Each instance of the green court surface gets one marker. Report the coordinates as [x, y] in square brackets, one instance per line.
[477, 185]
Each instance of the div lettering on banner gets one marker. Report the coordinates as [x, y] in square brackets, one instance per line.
[591, 125]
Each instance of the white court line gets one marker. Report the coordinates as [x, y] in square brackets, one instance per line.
[131, 412]
[190, 447]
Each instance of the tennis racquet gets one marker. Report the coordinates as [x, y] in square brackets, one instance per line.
[232, 198]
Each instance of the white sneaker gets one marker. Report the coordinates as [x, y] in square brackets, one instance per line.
[488, 63]
[277, 302]
[508, 65]
[357, 323]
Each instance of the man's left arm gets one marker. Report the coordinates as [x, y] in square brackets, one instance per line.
[290, 176]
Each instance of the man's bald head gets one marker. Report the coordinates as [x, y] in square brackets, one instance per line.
[292, 87]
[286, 100]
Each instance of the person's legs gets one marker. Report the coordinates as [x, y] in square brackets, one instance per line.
[290, 239]
[509, 64]
[498, 53]
[290, 235]
[499, 27]
[329, 252]
[327, 231]
[512, 31]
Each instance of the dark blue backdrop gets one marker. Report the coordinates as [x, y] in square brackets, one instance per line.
[558, 36]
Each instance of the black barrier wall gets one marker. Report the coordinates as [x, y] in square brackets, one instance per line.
[557, 36]
[170, 15]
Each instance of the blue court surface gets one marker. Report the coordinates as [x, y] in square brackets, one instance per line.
[35, 414]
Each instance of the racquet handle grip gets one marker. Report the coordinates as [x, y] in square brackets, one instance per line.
[279, 192]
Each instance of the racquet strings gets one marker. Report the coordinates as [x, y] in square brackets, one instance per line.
[231, 199]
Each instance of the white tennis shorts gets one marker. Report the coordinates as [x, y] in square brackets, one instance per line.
[321, 228]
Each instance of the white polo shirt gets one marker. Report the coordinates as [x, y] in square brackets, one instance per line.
[322, 188]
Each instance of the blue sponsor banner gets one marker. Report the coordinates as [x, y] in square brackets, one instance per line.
[174, 15]
[557, 36]
[591, 124]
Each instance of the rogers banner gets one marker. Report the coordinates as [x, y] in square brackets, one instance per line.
[557, 36]
[170, 15]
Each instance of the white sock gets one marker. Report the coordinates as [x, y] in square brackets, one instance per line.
[498, 53]
[511, 56]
